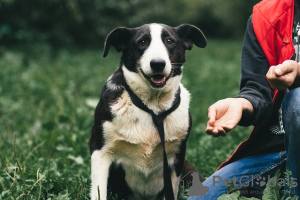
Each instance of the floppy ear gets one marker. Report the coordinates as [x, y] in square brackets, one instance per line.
[118, 38]
[189, 35]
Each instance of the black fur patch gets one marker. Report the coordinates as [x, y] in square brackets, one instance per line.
[102, 112]
[133, 53]
[117, 183]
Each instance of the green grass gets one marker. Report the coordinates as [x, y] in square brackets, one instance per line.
[47, 102]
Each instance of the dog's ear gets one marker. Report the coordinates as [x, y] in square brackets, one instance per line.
[118, 38]
[189, 35]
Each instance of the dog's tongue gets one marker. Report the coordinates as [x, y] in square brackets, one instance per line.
[158, 79]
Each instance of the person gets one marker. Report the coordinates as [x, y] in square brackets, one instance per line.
[269, 99]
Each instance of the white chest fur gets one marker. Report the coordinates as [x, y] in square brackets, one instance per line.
[133, 140]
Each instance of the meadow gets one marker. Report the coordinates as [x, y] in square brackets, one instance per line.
[47, 102]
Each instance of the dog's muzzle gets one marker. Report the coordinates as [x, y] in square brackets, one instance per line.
[158, 78]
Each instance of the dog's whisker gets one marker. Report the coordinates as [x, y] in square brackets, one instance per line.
[176, 66]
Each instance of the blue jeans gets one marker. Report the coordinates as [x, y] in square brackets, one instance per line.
[291, 124]
[255, 171]
[251, 171]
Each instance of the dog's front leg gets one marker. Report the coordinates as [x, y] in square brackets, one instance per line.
[101, 162]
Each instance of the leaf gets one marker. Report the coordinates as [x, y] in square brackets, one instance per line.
[233, 196]
[272, 189]
[5, 194]
[62, 197]
[245, 198]
[231, 187]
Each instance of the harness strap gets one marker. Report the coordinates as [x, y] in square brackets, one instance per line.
[158, 121]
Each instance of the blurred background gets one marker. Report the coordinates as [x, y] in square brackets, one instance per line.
[52, 72]
[86, 23]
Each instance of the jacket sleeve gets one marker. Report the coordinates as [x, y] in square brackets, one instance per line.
[253, 85]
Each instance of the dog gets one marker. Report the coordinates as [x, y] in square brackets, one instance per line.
[130, 156]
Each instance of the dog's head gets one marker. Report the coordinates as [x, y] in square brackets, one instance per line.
[155, 53]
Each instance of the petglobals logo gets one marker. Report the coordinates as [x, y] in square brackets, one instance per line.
[254, 181]
[196, 188]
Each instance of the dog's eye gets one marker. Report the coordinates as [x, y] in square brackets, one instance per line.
[169, 41]
[143, 42]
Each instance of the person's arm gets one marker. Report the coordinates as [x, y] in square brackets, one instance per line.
[254, 86]
[253, 104]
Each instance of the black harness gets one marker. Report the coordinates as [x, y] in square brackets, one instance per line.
[158, 121]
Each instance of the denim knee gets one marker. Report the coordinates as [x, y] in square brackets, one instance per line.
[291, 111]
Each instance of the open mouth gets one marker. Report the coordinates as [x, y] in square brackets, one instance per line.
[157, 80]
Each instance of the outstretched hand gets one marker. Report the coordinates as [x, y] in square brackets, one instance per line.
[224, 115]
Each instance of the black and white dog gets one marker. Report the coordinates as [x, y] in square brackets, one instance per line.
[126, 144]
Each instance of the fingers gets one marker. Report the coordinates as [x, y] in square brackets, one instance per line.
[286, 67]
[282, 76]
[278, 71]
[211, 115]
[211, 129]
[282, 69]
[216, 131]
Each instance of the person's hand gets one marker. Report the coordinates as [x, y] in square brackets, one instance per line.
[282, 76]
[225, 114]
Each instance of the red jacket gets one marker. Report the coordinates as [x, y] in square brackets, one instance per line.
[272, 22]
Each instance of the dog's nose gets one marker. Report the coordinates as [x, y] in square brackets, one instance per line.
[157, 65]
